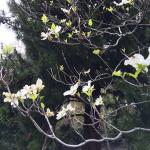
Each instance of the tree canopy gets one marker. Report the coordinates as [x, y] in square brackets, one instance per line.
[96, 51]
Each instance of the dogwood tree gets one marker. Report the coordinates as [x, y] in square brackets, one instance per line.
[99, 26]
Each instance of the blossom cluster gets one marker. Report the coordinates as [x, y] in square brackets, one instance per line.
[28, 92]
[54, 30]
[87, 89]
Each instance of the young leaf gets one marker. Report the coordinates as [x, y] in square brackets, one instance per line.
[44, 19]
[42, 105]
[53, 27]
[96, 51]
[8, 49]
[117, 73]
[110, 9]
[69, 1]
[68, 23]
[90, 22]
[70, 35]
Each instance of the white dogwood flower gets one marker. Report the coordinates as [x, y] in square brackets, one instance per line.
[11, 98]
[22, 94]
[39, 85]
[58, 28]
[7, 97]
[72, 91]
[123, 2]
[44, 35]
[138, 60]
[88, 89]
[64, 111]
[99, 101]
[33, 88]
[148, 57]
[14, 102]
[49, 113]
[55, 30]
[31, 92]
[61, 113]
[7, 94]
[65, 10]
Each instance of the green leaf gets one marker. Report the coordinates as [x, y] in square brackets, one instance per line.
[68, 23]
[42, 105]
[110, 9]
[136, 74]
[88, 33]
[41, 98]
[33, 97]
[117, 73]
[69, 1]
[8, 49]
[96, 51]
[44, 19]
[90, 22]
[70, 35]
[66, 41]
[53, 27]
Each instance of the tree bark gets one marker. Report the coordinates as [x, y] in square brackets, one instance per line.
[90, 132]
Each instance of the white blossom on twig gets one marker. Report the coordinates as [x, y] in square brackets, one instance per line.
[138, 60]
[99, 101]
[88, 89]
[72, 91]
[123, 2]
[30, 92]
[64, 111]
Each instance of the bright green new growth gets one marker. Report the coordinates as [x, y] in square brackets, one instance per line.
[90, 22]
[44, 19]
[8, 49]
